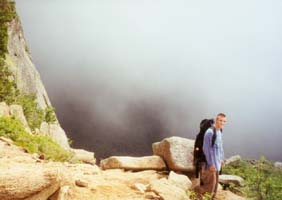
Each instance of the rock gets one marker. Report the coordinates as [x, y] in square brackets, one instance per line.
[56, 132]
[177, 153]
[228, 179]
[81, 183]
[17, 112]
[233, 160]
[219, 187]
[7, 140]
[140, 187]
[27, 182]
[4, 109]
[84, 156]
[59, 135]
[61, 193]
[228, 195]
[278, 165]
[152, 196]
[133, 163]
[45, 193]
[44, 128]
[180, 180]
[167, 190]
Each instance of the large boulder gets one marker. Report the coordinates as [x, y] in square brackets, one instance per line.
[17, 112]
[233, 160]
[44, 128]
[180, 180]
[133, 163]
[4, 109]
[177, 153]
[231, 179]
[56, 132]
[27, 182]
[84, 156]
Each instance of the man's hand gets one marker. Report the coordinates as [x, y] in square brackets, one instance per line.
[212, 168]
[222, 163]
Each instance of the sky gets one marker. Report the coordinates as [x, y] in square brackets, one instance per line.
[123, 74]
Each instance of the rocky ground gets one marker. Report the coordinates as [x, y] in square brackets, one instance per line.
[25, 176]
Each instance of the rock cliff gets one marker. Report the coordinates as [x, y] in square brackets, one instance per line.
[18, 62]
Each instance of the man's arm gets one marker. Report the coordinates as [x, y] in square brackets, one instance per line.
[207, 148]
[222, 153]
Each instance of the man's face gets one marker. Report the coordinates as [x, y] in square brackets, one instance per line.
[220, 122]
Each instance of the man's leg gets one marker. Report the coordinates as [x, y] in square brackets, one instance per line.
[208, 179]
[216, 183]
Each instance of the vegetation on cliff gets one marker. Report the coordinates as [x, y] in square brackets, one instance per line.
[7, 85]
[8, 88]
[7, 13]
[33, 143]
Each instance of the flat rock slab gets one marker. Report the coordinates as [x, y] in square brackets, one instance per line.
[133, 163]
[231, 179]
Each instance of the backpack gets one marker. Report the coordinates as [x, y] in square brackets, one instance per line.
[199, 155]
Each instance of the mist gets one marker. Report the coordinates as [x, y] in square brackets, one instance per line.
[124, 74]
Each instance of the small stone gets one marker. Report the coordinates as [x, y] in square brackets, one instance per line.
[152, 196]
[140, 187]
[81, 183]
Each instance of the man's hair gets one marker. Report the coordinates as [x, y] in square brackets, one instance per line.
[221, 115]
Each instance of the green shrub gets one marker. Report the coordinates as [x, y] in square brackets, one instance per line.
[34, 115]
[11, 95]
[194, 196]
[7, 13]
[41, 144]
[262, 180]
[50, 116]
[8, 88]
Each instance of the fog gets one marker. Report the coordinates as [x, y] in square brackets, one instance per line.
[123, 74]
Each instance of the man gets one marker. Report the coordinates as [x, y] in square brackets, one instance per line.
[213, 150]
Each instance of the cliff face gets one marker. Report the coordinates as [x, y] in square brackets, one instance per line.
[18, 60]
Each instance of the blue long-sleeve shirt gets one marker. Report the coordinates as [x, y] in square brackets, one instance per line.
[214, 155]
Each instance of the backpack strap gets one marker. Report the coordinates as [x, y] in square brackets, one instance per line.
[213, 136]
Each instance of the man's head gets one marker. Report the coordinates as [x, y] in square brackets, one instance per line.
[220, 121]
